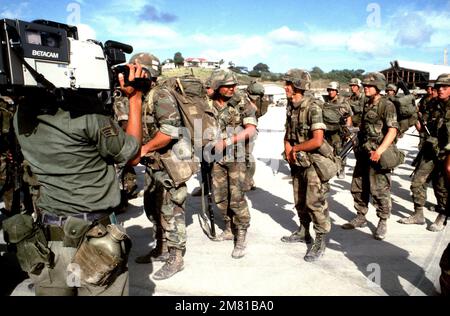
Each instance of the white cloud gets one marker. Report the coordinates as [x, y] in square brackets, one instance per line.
[285, 35]
[374, 43]
[15, 11]
[413, 30]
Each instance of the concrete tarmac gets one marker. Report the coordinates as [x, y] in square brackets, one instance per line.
[354, 264]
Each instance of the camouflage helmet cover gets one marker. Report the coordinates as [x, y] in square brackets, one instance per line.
[392, 87]
[334, 86]
[355, 82]
[149, 61]
[375, 79]
[301, 79]
[222, 78]
[443, 80]
[255, 89]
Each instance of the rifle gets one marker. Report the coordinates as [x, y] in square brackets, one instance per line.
[207, 211]
[348, 146]
[400, 82]
[419, 157]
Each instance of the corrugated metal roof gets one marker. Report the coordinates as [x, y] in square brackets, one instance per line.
[434, 70]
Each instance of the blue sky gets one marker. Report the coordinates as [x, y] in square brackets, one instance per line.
[353, 34]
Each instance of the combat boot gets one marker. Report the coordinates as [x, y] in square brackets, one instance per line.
[358, 221]
[173, 265]
[438, 224]
[416, 218]
[381, 231]
[227, 233]
[240, 245]
[318, 248]
[159, 253]
[301, 235]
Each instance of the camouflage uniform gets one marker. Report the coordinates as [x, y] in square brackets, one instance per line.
[164, 203]
[430, 166]
[127, 174]
[229, 174]
[310, 193]
[6, 114]
[368, 178]
[356, 102]
[336, 138]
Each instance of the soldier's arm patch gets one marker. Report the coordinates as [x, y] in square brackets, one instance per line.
[110, 130]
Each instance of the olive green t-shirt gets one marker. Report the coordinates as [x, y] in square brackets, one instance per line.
[74, 158]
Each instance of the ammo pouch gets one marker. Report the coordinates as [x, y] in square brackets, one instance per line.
[325, 162]
[74, 231]
[302, 160]
[180, 171]
[33, 252]
[102, 254]
[391, 158]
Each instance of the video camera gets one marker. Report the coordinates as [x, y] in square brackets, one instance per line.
[46, 55]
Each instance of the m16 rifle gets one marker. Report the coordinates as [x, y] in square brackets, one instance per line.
[352, 136]
[207, 211]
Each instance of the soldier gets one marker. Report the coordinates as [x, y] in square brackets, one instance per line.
[255, 92]
[337, 115]
[237, 123]
[356, 101]
[164, 201]
[423, 109]
[442, 85]
[378, 131]
[6, 114]
[305, 131]
[429, 166]
[73, 158]
[391, 90]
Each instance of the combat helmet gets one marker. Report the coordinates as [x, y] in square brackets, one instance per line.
[301, 79]
[149, 61]
[443, 80]
[255, 90]
[392, 87]
[355, 82]
[334, 86]
[376, 79]
[221, 78]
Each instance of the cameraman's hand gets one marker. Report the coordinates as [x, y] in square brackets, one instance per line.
[135, 72]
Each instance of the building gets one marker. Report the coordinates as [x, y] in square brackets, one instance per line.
[415, 74]
[201, 63]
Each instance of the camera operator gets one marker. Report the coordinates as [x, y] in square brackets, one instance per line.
[73, 159]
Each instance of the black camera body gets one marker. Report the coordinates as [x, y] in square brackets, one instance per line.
[46, 55]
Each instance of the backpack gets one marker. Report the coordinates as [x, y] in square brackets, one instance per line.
[406, 111]
[332, 117]
[197, 116]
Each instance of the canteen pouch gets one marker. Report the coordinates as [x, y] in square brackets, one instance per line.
[180, 171]
[391, 158]
[326, 168]
[33, 252]
[100, 267]
[325, 162]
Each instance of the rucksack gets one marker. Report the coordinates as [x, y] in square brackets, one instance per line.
[332, 117]
[197, 116]
[406, 111]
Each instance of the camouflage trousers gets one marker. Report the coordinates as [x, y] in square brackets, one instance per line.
[249, 172]
[369, 181]
[59, 281]
[310, 197]
[429, 170]
[229, 196]
[164, 205]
